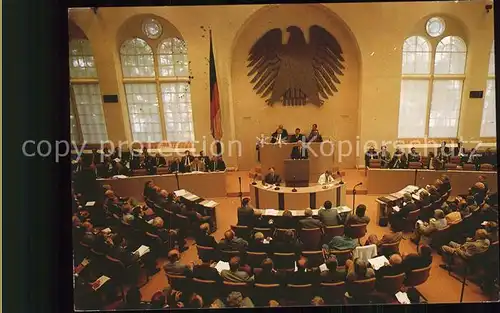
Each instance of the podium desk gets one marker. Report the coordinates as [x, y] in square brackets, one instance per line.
[275, 155]
[204, 184]
[297, 173]
[263, 197]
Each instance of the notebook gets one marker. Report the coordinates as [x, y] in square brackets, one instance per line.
[403, 298]
[221, 265]
[396, 208]
[378, 262]
[106, 230]
[343, 209]
[142, 250]
[323, 267]
[99, 282]
[90, 203]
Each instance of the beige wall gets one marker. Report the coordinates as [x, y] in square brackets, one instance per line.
[371, 36]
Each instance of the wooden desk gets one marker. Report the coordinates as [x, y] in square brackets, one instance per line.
[275, 154]
[305, 197]
[206, 185]
[384, 181]
[461, 181]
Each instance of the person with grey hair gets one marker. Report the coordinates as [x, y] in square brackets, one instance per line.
[308, 222]
[358, 270]
[396, 217]
[257, 244]
[424, 230]
[234, 300]
[235, 274]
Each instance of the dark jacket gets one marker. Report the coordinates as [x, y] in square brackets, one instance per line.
[272, 179]
[329, 217]
[296, 154]
[403, 213]
[206, 272]
[246, 216]
[332, 277]
[206, 241]
[310, 222]
[303, 278]
[414, 261]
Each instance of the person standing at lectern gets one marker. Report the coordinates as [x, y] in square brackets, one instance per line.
[272, 178]
[326, 178]
[297, 136]
[299, 151]
[280, 135]
[186, 161]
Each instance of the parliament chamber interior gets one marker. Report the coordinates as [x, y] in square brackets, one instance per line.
[236, 156]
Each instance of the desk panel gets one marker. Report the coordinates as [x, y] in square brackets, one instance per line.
[461, 181]
[386, 181]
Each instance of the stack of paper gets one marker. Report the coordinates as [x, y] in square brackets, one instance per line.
[209, 203]
[99, 282]
[378, 262]
[90, 203]
[221, 265]
[106, 230]
[117, 160]
[323, 267]
[142, 250]
[271, 212]
[180, 193]
[191, 197]
[403, 298]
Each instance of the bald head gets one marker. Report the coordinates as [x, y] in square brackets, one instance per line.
[302, 264]
[308, 212]
[395, 259]
[164, 193]
[229, 235]
[109, 194]
[173, 255]
[481, 234]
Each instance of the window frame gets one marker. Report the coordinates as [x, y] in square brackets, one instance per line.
[490, 77]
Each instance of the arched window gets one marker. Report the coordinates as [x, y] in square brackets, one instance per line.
[86, 113]
[416, 70]
[431, 86]
[158, 90]
[488, 121]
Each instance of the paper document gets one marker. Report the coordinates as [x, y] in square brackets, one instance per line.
[378, 262]
[142, 250]
[180, 193]
[396, 208]
[120, 176]
[323, 267]
[191, 197]
[106, 230]
[221, 265]
[343, 209]
[117, 160]
[315, 212]
[415, 197]
[271, 212]
[209, 203]
[484, 223]
[403, 298]
[99, 282]
[150, 221]
[297, 212]
[296, 269]
[90, 203]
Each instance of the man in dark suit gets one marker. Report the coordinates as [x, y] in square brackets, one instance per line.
[232, 243]
[301, 277]
[297, 136]
[314, 136]
[413, 156]
[217, 164]
[299, 151]
[280, 135]
[204, 239]
[204, 159]
[396, 218]
[186, 161]
[309, 222]
[370, 155]
[175, 166]
[246, 215]
[328, 216]
[395, 267]
[272, 178]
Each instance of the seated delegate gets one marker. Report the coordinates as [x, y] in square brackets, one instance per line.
[280, 135]
[272, 178]
[299, 151]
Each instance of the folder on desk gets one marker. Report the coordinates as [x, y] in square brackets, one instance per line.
[90, 203]
[180, 193]
[378, 262]
[142, 250]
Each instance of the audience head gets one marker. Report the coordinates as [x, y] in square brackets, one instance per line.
[331, 263]
[158, 222]
[308, 212]
[395, 259]
[110, 194]
[201, 153]
[413, 150]
[205, 228]
[258, 236]
[424, 194]
[149, 184]
[360, 267]
[271, 170]
[302, 265]
[360, 210]
[407, 197]
[234, 263]
[317, 301]
[280, 127]
[383, 148]
[287, 213]
[173, 255]
[425, 250]
[164, 193]
[158, 300]
[128, 219]
[88, 226]
[491, 227]
[229, 235]
[328, 204]
[234, 299]
[481, 234]
[267, 265]
[245, 201]
[445, 179]
[288, 235]
[196, 302]
[315, 127]
[439, 214]
[273, 303]
[438, 183]
[133, 297]
[452, 207]
[297, 131]
[187, 152]
[481, 178]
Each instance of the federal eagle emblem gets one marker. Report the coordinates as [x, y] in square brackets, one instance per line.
[297, 72]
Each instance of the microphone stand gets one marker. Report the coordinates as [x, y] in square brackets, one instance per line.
[241, 194]
[294, 190]
[354, 196]
[254, 182]
[177, 180]
[341, 180]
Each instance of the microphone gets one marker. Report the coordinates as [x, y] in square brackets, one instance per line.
[341, 181]
[254, 177]
[359, 184]
[294, 190]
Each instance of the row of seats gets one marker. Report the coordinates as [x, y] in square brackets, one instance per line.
[454, 164]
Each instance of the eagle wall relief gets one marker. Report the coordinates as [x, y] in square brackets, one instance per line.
[297, 72]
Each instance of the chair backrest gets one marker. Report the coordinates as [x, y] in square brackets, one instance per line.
[314, 258]
[413, 216]
[178, 282]
[206, 288]
[206, 253]
[342, 256]
[333, 292]
[469, 167]
[150, 203]
[267, 232]
[455, 160]
[278, 232]
[391, 284]
[417, 276]
[266, 291]
[241, 231]
[356, 230]
[114, 268]
[390, 248]
[450, 166]
[311, 238]
[254, 259]
[332, 231]
[299, 292]
[226, 255]
[414, 165]
[361, 288]
[486, 167]
[228, 287]
[283, 261]
[374, 163]
[182, 222]
[441, 236]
